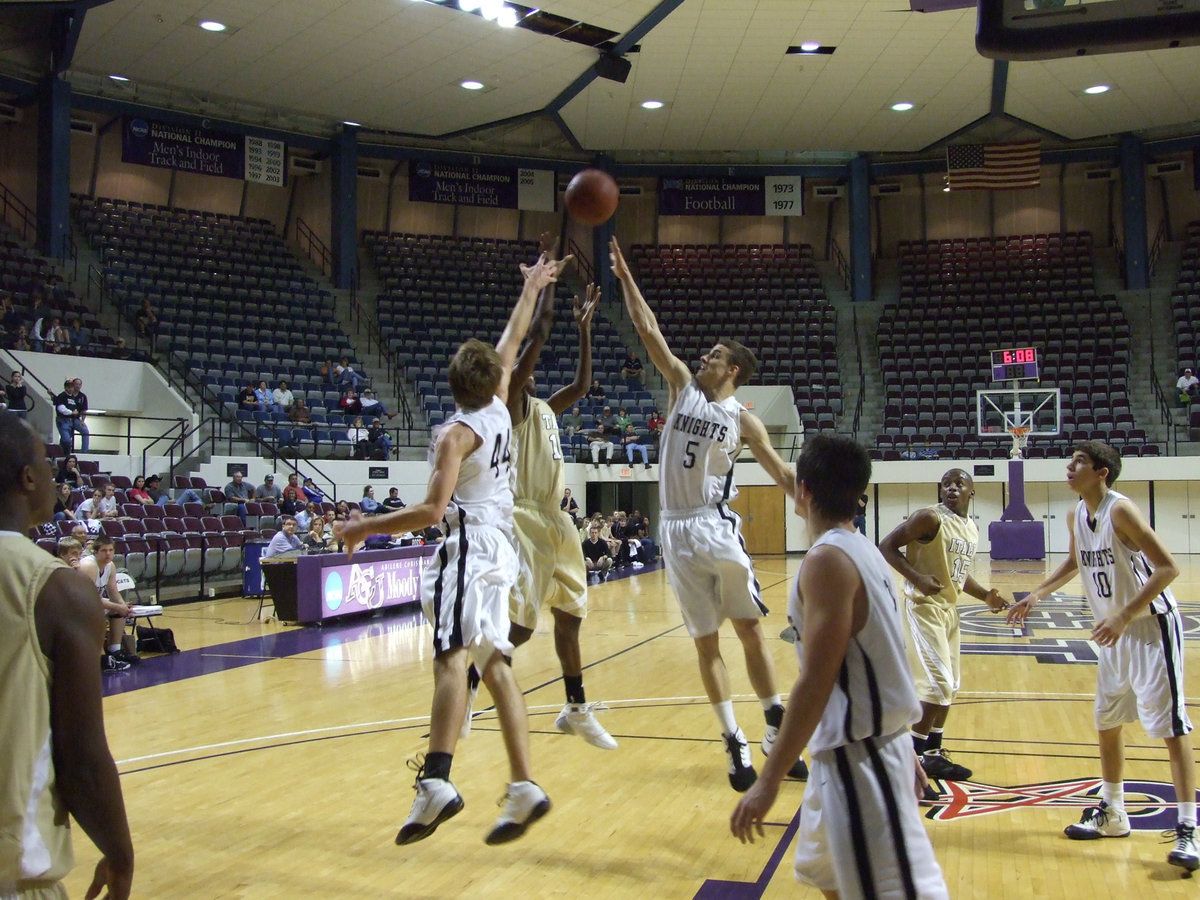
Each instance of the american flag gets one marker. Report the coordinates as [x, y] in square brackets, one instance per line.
[1014, 164]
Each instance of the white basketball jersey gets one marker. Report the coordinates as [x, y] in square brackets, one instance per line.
[699, 444]
[1111, 573]
[483, 494]
[874, 694]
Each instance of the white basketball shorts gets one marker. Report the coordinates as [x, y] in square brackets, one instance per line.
[464, 592]
[1141, 677]
[709, 568]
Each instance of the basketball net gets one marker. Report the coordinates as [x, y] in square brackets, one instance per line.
[1020, 437]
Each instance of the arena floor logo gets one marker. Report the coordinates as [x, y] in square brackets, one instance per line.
[1150, 804]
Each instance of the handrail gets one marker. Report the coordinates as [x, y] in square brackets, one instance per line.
[1160, 236]
[26, 216]
[313, 247]
[1166, 415]
[839, 260]
[862, 381]
[582, 261]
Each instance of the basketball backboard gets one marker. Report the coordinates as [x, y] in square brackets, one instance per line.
[1049, 29]
[1000, 410]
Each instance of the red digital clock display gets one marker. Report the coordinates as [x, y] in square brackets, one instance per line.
[1018, 363]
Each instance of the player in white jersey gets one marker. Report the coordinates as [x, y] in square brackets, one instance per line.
[464, 592]
[705, 557]
[861, 832]
[1125, 571]
[552, 568]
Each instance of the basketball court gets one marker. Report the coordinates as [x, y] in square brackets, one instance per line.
[270, 761]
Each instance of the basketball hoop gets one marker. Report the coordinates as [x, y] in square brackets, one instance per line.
[1020, 437]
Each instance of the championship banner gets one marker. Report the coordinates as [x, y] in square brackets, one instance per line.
[774, 195]
[505, 187]
[146, 142]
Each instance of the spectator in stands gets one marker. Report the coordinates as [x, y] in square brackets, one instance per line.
[9, 317]
[43, 332]
[237, 492]
[368, 504]
[266, 399]
[326, 371]
[144, 320]
[393, 501]
[344, 373]
[909, 452]
[41, 306]
[359, 439]
[609, 421]
[69, 551]
[62, 503]
[341, 511]
[623, 420]
[246, 399]
[318, 531]
[927, 452]
[120, 350]
[70, 409]
[294, 480]
[860, 517]
[595, 552]
[379, 438]
[57, 760]
[68, 471]
[268, 490]
[21, 341]
[61, 339]
[573, 423]
[81, 335]
[371, 405]
[310, 490]
[284, 541]
[631, 369]
[108, 502]
[350, 404]
[81, 535]
[283, 397]
[300, 414]
[162, 498]
[596, 393]
[633, 443]
[1189, 386]
[655, 423]
[98, 568]
[16, 395]
[600, 439]
[621, 539]
[570, 506]
[293, 502]
[138, 493]
[305, 514]
[89, 508]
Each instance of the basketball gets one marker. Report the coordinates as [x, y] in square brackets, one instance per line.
[592, 197]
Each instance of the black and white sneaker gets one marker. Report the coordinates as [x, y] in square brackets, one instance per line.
[799, 769]
[1184, 855]
[524, 803]
[741, 769]
[109, 664]
[1100, 822]
[436, 801]
[124, 656]
[938, 765]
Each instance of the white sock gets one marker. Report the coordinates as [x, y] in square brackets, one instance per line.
[114, 648]
[769, 703]
[1114, 795]
[724, 711]
[1187, 814]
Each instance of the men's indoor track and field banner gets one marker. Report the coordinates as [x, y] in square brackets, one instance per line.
[774, 195]
[504, 187]
[147, 142]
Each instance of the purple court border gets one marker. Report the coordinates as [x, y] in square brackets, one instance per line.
[715, 889]
[156, 670]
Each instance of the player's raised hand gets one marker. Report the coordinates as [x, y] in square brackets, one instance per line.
[1020, 610]
[548, 245]
[586, 308]
[617, 258]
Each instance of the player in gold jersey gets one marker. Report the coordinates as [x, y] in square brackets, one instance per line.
[939, 549]
[552, 569]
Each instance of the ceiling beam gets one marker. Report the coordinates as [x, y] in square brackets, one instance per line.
[68, 24]
[999, 85]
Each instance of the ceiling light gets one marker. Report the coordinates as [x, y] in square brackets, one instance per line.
[810, 47]
[212, 26]
[507, 18]
[473, 85]
[490, 9]
[902, 106]
[468, 5]
[652, 104]
[118, 77]
[352, 124]
[1096, 89]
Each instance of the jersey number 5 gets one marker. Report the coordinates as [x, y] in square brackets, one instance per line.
[690, 452]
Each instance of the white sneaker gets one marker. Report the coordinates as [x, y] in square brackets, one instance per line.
[436, 801]
[1185, 854]
[1100, 822]
[799, 768]
[579, 718]
[472, 693]
[741, 769]
[524, 804]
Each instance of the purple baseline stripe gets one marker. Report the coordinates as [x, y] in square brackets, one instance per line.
[154, 670]
[715, 889]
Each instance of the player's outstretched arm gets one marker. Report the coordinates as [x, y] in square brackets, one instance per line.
[539, 275]
[583, 310]
[673, 369]
[1060, 576]
[829, 584]
[539, 333]
[921, 526]
[993, 598]
[1134, 531]
[754, 433]
[70, 626]
[454, 444]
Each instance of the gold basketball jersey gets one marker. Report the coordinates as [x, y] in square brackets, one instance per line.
[948, 557]
[539, 456]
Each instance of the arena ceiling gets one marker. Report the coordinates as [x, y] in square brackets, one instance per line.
[731, 91]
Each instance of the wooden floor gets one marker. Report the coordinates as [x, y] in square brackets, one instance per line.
[284, 774]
